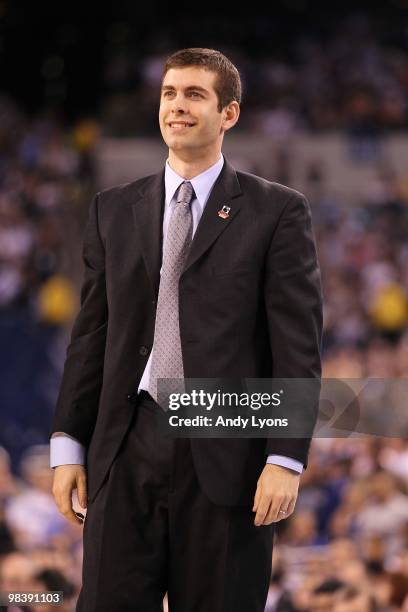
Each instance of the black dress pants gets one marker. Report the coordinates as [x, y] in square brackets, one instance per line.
[151, 529]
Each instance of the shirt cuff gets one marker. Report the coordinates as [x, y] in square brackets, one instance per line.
[66, 450]
[288, 462]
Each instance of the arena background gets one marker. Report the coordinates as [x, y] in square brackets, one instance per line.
[325, 110]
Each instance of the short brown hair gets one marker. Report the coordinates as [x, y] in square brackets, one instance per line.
[227, 85]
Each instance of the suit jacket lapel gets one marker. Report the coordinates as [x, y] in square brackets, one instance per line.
[148, 210]
[211, 225]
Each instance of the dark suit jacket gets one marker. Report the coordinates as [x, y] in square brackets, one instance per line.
[250, 306]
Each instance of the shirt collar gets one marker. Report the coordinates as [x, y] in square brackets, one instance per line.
[202, 183]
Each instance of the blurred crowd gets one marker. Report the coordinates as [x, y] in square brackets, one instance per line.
[45, 171]
[46, 176]
[352, 75]
[345, 548]
[39, 549]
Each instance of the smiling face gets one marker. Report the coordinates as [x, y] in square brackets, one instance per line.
[190, 121]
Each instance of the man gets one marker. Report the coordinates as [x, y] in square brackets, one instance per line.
[198, 271]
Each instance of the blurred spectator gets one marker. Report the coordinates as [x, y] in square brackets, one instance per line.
[352, 599]
[53, 580]
[324, 595]
[385, 511]
[16, 574]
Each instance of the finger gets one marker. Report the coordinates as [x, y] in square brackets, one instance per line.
[281, 515]
[82, 491]
[291, 506]
[262, 511]
[271, 516]
[257, 498]
[64, 504]
[285, 510]
[278, 503]
[70, 515]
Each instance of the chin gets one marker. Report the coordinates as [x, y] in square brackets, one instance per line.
[177, 144]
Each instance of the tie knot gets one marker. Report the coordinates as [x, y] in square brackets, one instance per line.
[185, 194]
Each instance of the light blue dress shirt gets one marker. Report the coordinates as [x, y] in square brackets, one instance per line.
[65, 449]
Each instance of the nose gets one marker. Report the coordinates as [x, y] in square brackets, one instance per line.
[178, 104]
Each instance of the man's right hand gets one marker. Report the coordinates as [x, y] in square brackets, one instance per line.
[66, 479]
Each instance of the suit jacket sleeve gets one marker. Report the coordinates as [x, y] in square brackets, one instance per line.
[78, 398]
[293, 302]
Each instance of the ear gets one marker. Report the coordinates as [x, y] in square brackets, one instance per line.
[231, 114]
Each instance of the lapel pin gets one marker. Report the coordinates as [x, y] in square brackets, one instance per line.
[224, 212]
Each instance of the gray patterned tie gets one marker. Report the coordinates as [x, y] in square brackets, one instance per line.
[167, 359]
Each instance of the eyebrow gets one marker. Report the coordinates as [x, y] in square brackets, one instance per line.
[190, 87]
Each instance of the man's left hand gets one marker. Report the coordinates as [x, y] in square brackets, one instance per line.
[276, 494]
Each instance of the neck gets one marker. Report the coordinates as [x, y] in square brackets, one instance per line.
[189, 168]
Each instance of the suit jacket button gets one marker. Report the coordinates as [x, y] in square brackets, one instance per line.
[143, 350]
[131, 397]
